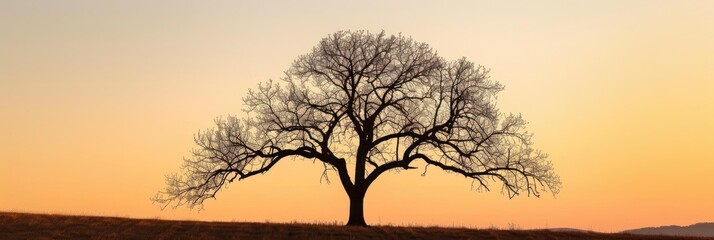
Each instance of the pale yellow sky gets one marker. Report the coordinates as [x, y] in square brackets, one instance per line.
[99, 100]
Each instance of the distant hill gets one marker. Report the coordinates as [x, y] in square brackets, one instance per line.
[46, 226]
[697, 230]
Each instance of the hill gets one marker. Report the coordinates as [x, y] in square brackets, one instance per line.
[699, 229]
[45, 226]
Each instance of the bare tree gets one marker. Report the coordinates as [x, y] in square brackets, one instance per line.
[373, 103]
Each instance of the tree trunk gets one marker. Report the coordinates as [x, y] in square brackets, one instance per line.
[357, 209]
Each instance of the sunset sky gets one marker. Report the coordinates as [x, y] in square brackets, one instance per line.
[99, 100]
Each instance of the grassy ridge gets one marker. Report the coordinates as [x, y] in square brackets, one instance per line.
[45, 226]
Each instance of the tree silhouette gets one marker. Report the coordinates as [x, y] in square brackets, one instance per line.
[373, 103]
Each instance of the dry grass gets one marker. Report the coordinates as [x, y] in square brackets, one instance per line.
[46, 226]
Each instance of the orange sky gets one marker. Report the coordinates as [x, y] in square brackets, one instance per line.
[99, 100]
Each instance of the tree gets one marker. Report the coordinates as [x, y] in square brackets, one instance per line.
[372, 103]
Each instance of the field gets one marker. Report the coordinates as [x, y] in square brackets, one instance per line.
[45, 226]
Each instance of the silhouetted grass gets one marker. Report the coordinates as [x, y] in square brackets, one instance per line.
[47, 226]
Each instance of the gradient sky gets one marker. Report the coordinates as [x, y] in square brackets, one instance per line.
[100, 99]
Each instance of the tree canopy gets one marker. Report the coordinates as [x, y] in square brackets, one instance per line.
[374, 103]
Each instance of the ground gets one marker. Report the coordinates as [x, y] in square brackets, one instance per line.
[46, 226]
